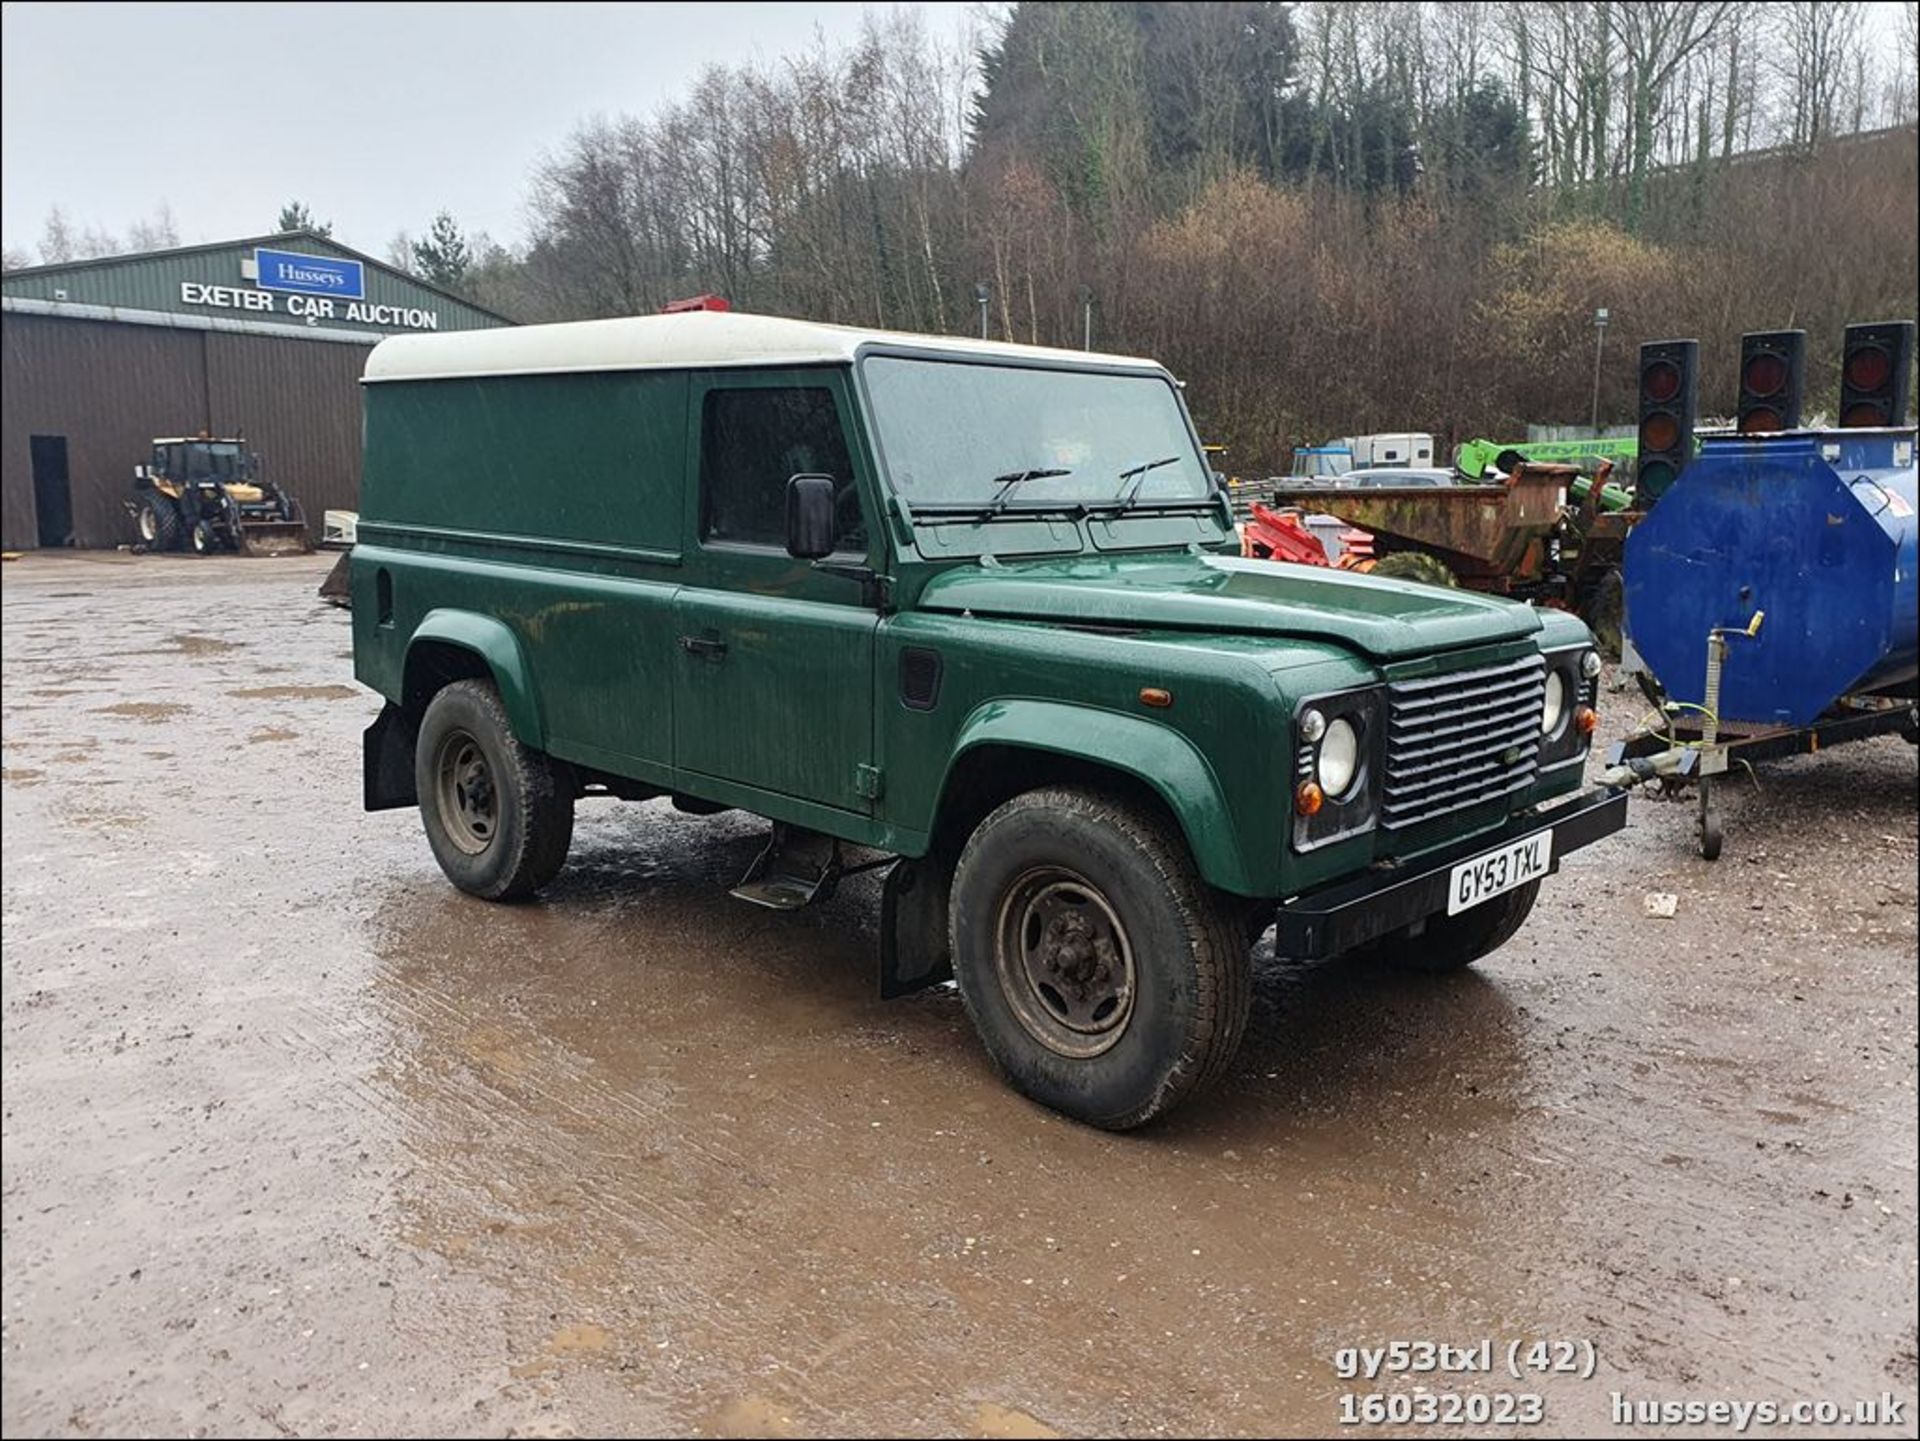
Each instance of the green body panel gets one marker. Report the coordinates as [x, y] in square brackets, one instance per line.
[551, 525]
[1212, 593]
[497, 644]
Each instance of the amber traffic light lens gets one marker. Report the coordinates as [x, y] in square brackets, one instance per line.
[1756, 421]
[1868, 368]
[1865, 413]
[1660, 382]
[1659, 432]
[1766, 374]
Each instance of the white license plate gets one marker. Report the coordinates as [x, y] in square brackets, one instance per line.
[1486, 876]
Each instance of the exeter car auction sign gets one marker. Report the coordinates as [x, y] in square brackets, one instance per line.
[317, 289]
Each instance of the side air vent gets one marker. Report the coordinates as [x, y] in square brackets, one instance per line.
[919, 678]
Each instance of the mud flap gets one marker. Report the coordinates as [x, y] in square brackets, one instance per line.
[915, 950]
[386, 756]
[337, 588]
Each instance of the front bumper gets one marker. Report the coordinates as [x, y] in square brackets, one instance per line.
[1349, 913]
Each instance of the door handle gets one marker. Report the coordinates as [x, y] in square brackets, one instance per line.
[703, 645]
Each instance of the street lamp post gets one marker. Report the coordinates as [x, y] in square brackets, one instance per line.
[980, 294]
[1086, 317]
[1599, 345]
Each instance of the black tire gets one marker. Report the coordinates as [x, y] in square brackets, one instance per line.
[1183, 945]
[1415, 565]
[1606, 612]
[1452, 943]
[158, 524]
[1709, 833]
[203, 538]
[528, 797]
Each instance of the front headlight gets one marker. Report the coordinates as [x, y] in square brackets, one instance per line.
[1555, 709]
[1339, 758]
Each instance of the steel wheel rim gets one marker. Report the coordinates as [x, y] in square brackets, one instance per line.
[1064, 962]
[469, 802]
[149, 524]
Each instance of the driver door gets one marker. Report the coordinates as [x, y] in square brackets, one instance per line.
[774, 681]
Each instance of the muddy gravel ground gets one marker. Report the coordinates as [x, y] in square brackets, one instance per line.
[299, 1140]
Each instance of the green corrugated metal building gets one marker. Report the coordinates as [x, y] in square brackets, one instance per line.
[263, 337]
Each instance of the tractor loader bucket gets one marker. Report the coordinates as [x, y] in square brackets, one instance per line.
[274, 537]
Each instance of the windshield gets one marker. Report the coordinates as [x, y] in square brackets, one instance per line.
[218, 461]
[958, 433]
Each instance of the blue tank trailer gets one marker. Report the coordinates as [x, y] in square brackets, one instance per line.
[1771, 595]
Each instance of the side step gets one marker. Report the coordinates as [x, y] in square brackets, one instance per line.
[797, 868]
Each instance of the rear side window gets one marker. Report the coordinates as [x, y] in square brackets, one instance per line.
[751, 443]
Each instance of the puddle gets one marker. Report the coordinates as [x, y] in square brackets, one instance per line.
[151, 711]
[296, 692]
[202, 644]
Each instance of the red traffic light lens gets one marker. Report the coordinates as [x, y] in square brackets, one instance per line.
[1659, 431]
[1766, 374]
[1756, 421]
[1660, 381]
[1868, 368]
[1866, 413]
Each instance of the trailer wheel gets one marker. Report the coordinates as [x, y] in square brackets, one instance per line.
[1106, 978]
[1452, 943]
[159, 524]
[1706, 823]
[1416, 565]
[498, 814]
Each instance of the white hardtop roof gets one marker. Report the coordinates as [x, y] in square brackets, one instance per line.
[693, 340]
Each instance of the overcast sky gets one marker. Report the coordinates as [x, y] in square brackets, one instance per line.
[375, 115]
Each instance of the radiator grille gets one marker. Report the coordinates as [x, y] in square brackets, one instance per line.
[1457, 740]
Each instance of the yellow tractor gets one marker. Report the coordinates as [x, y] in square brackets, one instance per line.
[210, 494]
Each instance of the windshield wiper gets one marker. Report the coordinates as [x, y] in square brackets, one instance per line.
[993, 505]
[1016, 477]
[1130, 481]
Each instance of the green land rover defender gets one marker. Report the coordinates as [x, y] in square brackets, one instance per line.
[969, 611]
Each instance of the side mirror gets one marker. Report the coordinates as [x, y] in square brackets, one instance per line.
[811, 532]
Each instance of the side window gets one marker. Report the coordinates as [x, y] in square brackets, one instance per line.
[751, 443]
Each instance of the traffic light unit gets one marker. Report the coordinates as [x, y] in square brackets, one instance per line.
[1876, 361]
[1669, 390]
[1772, 371]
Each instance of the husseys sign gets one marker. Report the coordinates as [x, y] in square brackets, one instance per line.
[313, 288]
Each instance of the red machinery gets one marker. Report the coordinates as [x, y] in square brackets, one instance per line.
[1270, 534]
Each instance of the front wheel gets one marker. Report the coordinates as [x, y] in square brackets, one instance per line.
[498, 814]
[1452, 943]
[205, 539]
[1106, 978]
[1415, 565]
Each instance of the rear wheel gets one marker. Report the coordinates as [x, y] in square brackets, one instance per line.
[498, 814]
[1415, 565]
[158, 523]
[1106, 978]
[1452, 943]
